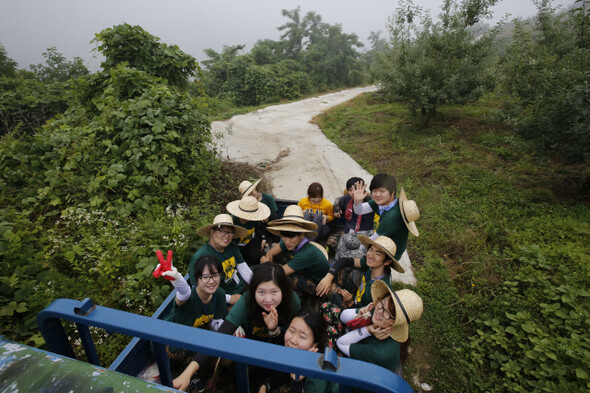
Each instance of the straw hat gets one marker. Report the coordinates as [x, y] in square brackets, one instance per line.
[288, 227]
[386, 245]
[249, 209]
[294, 215]
[410, 212]
[321, 248]
[246, 187]
[219, 221]
[408, 308]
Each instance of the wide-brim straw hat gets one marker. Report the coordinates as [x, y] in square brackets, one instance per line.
[386, 245]
[246, 187]
[249, 209]
[294, 215]
[410, 212]
[321, 248]
[219, 221]
[289, 227]
[408, 308]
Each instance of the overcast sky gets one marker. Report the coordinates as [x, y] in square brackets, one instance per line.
[29, 27]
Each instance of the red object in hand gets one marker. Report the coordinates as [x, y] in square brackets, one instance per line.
[165, 264]
[359, 322]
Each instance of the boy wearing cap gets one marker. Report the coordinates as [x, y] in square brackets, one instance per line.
[236, 273]
[309, 259]
[249, 214]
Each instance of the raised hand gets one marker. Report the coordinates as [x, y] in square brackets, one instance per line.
[359, 192]
[164, 265]
[271, 319]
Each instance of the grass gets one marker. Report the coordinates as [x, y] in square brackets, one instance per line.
[482, 193]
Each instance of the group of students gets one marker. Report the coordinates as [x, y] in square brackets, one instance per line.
[263, 277]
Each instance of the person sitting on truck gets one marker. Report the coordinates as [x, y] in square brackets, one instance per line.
[309, 260]
[263, 313]
[249, 214]
[235, 273]
[384, 338]
[307, 331]
[394, 219]
[248, 188]
[376, 265]
[202, 306]
[354, 224]
[317, 209]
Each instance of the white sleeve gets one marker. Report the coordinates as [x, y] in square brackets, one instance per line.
[215, 324]
[363, 208]
[348, 315]
[227, 298]
[245, 271]
[350, 338]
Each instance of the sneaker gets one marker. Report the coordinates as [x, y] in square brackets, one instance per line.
[197, 385]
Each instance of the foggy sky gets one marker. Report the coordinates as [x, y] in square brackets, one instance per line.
[29, 27]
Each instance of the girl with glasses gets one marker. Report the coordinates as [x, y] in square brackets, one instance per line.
[202, 305]
[235, 273]
[384, 338]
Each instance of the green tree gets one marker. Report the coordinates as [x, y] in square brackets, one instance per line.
[7, 65]
[136, 47]
[57, 68]
[546, 76]
[432, 62]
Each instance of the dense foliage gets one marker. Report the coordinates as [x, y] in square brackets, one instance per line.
[503, 257]
[545, 76]
[87, 198]
[311, 56]
[430, 63]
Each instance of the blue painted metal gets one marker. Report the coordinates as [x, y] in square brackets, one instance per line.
[243, 351]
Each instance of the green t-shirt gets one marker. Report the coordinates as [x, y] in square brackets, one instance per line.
[254, 228]
[195, 313]
[363, 293]
[240, 314]
[309, 261]
[391, 224]
[231, 281]
[269, 201]
[384, 353]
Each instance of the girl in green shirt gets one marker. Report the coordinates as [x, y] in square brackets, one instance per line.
[307, 331]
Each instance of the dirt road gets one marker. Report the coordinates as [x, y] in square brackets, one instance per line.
[295, 152]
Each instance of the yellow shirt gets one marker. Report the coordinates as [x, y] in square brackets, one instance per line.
[324, 206]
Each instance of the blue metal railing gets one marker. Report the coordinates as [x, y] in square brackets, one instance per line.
[347, 372]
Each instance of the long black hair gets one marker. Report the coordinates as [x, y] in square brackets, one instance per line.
[270, 272]
[206, 261]
[318, 326]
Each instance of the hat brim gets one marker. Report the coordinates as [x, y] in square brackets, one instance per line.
[399, 333]
[205, 231]
[287, 227]
[302, 222]
[410, 224]
[321, 248]
[262, 212]
[251, 188]
[367, 241]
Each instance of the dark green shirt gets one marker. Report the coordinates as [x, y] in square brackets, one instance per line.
[384, 353]
[309, 261]
[363, 293]
[231, 281]
[269, 201]
[195, 313]
[240, 314]
[392, 225]
[254, 228]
